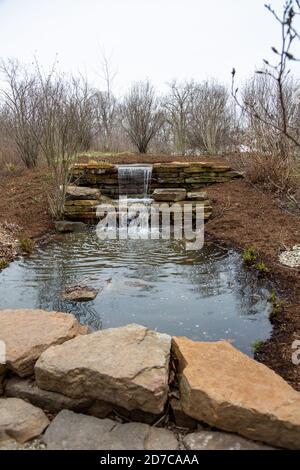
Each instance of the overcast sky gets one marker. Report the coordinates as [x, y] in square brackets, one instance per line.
[156, 39]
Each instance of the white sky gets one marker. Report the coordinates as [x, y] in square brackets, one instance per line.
[156, 39]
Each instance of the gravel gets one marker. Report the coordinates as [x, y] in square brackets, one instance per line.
[291, 258]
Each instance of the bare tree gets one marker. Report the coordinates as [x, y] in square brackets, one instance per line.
[277, 77]
[63, 124]
[211, 117]
[22, 96]
[105, 105]
[178, 106]
[142, 115]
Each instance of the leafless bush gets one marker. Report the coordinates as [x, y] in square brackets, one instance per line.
[142, 115]
[21, 101]
[63, 122]
[271, 111]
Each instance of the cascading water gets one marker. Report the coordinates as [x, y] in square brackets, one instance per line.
[134, 181]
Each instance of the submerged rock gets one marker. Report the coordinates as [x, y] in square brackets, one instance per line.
[20, 420]
[127, 366]
[27, 333]
[66, 226]
[224, 388]
[79, 294]
[71, 431]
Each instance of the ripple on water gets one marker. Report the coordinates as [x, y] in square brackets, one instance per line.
[205, 295]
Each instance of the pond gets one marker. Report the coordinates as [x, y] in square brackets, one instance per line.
[204, 295]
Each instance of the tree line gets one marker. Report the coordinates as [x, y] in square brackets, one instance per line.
[52, 117]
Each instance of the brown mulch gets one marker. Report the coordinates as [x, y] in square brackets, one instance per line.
[243, 216]
[23, 201]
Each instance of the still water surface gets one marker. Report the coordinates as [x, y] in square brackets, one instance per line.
[204, 295]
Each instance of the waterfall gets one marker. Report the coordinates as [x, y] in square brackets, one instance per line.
[134, 181]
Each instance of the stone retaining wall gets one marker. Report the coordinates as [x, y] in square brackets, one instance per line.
[190, 176]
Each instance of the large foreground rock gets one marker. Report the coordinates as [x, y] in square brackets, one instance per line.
[27, 333]
[226, 389]
[20, 420]
[213, 440]
[127, 366]
[71, 431]
[50, 401]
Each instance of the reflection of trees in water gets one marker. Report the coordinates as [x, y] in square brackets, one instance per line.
[252, 294]
[52, 275]
[220, 276]
[83, 258]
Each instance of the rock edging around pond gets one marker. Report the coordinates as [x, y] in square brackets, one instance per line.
[125, 374]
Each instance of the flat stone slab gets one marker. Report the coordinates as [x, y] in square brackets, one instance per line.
[20, 420]
[54, 402]
[79, 294]
[197, 196]
[27, 333]
[127, 366]
[226, 389]
[82, 193]
[214, 440]
[169, 195]
[71, 431]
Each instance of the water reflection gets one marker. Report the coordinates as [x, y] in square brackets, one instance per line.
[204, 295]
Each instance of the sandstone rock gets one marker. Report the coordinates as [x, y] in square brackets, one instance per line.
[27, 333]
[213, 440]
[20, 420]
[127, 366]
[81, 192]
[50, 401]
[169, 195]
[70, 431]
[226, 389]
[197, 196]
[79, 294]
[66, 226]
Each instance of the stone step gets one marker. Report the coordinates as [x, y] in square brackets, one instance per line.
[71, 431]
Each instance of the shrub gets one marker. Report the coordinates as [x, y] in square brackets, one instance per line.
[26, 244]
[249, 256]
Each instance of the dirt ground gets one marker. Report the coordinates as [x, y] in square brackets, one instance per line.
[243, 216]
[23, 208]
